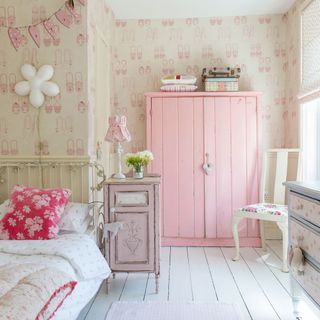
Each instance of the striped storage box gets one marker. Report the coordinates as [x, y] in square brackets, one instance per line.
[221, 84]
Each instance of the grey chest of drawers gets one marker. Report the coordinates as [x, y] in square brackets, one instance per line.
[304, 233]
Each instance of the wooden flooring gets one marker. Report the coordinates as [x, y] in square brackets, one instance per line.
[255, 282]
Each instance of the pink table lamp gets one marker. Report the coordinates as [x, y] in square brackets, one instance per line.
[117, 133]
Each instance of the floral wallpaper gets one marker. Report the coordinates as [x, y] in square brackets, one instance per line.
[145, 50]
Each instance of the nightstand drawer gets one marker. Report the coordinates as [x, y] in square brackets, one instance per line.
[306, 208]
[131, 197]
[305, 238]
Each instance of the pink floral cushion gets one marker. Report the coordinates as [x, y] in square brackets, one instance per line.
[34, 213]
[266, 208]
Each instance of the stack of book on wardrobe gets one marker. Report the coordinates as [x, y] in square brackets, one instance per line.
[179, 83]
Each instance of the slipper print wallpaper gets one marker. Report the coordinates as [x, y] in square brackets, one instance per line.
[61, 132]
[64, 120]
[145, 50]
[265, 47]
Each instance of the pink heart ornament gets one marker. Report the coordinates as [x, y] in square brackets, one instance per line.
[64, 18]
[35, 35]
[15, 37]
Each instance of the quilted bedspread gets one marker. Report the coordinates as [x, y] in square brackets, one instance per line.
[33, 272]
[32, 292]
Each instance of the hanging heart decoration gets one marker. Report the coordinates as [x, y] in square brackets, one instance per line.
[16, 37]
[64, 18]
[50, 28]
[35, 35]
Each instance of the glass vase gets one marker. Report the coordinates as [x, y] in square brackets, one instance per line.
[138, 172]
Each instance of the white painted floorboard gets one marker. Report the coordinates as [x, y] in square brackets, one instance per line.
[180, 279]
[258, 304]
[225, 285]
[201, 281]
[255, 283]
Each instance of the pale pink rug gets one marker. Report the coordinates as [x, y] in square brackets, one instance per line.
[172, 311]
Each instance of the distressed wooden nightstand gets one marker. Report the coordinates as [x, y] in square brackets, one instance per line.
[132, 211]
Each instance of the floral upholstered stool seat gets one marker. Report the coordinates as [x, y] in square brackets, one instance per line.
[264, 212]
[266, 208]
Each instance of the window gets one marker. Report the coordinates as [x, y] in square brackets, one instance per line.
[310, 90]
[310, 48]
[310, 139]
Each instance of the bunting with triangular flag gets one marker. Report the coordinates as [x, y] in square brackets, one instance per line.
[64, 15]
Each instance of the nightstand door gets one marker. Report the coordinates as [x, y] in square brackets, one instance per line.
[133, 247]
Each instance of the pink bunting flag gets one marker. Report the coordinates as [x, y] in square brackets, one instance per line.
[35, 35]
[73, 11]
[16, 37]
[64, 18]
[50, 28]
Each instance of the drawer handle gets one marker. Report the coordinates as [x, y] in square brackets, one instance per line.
[296, 260]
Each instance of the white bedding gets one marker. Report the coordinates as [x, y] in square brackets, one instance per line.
[75, 254]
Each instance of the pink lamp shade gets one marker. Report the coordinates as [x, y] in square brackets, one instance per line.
[117, 131]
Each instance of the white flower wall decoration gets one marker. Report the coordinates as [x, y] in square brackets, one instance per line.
[37, 84]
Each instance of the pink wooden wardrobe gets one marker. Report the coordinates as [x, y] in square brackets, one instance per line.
[186, 131]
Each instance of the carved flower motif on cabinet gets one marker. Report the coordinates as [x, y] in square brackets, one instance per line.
[132, 242]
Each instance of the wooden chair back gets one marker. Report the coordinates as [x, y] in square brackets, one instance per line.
[278, 166]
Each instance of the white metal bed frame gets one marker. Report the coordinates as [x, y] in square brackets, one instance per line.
[81, 175]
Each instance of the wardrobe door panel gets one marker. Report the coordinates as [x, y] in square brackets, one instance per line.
[170, 145]
[185, 167]
[223, 167]
[239, 157]
[253, 161]
[210, 194]
[199, 176]
[155, 144]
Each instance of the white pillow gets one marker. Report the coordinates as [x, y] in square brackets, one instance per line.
[76, 217]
